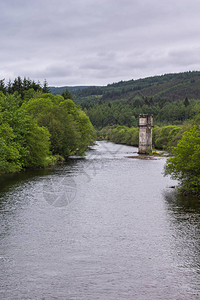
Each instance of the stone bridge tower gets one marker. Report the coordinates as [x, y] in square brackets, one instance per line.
[145, 133]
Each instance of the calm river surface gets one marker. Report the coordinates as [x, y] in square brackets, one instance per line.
[103, 227]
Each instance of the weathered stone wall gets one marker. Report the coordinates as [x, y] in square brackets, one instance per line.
[145, 133]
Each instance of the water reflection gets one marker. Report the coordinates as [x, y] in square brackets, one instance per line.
[183, 204]
[26, 189]
[184, 219]
[12, 182]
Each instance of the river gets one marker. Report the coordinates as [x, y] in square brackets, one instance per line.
[103, 227]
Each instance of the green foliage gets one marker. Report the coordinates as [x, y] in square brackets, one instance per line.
[9, 150]
[87, 134]
[70, 129]
[169, 87]
[36, 144]
[120, 135]
[72, 89]
[185, 164]
[45, 88]
[103, 114]
[186, 102]
[2, 86]
[171, 98]
[19, 133]
[20, 86]
[164, 135]
[67, 95]
[37, 126]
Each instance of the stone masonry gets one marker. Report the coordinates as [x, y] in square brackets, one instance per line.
[145, 133]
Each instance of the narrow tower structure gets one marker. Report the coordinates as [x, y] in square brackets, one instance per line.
[145, 133]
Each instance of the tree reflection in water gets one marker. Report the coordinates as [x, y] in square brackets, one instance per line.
[184, 221]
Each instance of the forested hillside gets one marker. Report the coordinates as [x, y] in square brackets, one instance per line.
[72, 89]
[168, 87]
[172, 98]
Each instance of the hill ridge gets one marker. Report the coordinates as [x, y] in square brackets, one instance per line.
[171, 87]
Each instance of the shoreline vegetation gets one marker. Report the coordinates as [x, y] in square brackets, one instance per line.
[38, 129]
[163, 137]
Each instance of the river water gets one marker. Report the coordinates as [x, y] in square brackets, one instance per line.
[106, 226]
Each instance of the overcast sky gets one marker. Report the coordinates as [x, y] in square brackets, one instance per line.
[96, 42]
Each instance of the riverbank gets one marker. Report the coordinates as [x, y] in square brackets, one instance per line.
[163, 138]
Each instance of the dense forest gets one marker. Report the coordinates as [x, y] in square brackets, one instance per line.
[38, 128]
[171, 98]
[168, 87]
[72, 89]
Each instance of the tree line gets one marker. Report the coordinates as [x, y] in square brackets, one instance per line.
[38, 129]
[21, 85]
[126, 114]
[163, 137]
[169, 87]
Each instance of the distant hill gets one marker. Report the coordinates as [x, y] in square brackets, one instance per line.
[168, 87]
[171, 98]
[59, 90]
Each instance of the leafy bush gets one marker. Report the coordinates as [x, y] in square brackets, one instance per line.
[185, 164]
[70, 129]
[165, 136]
[34, 128]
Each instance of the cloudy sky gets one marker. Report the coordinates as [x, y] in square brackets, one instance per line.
[96, 42]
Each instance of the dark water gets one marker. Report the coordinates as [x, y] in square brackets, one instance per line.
[103, 227]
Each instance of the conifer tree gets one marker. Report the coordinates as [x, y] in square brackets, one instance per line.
[186, 102]
[67, 95]
[45, 88]
[9, 87]
[2, 86]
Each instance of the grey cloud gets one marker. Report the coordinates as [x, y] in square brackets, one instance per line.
[52, 71]
[94, 66]
[98, 42]
[185, 57]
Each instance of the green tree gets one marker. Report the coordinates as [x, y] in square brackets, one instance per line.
[45, 88]
[36, 153]
[9, 150]
[2, 86]
[18, 85]
[164, 136]
[22, 142]
[67, 95]
[9, 87]
[186, 102]
[70, 129]
[185, 164]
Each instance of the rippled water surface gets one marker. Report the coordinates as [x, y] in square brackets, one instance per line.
[103, 227]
